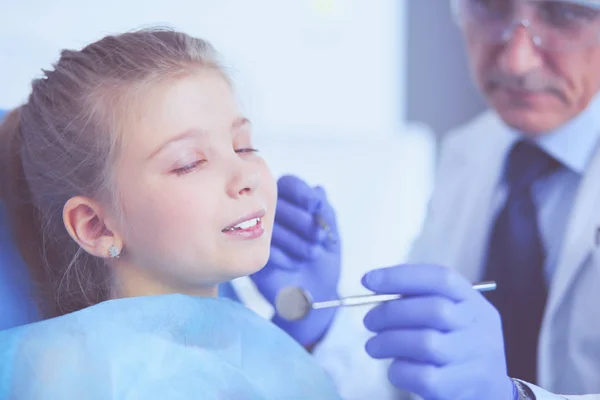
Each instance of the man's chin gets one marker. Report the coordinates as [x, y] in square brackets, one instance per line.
[529, 122]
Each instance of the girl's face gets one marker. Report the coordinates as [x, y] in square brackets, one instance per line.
[198, 201]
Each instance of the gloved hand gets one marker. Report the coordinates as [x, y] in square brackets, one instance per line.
[445, 338]
[304, 254]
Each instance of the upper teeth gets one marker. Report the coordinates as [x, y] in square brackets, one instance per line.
[247, 224]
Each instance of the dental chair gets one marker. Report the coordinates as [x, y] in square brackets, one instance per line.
[16, 297]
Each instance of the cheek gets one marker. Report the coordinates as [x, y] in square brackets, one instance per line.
[269, 188]
[580, 72]
[163, 218]
[148, 215]
[268, 193]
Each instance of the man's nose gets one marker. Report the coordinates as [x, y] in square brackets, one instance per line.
[519, 55]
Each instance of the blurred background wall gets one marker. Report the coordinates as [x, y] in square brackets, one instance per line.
[363, 87]
[439, 90]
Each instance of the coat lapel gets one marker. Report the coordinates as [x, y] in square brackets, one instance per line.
[471, 222]
[580, 235]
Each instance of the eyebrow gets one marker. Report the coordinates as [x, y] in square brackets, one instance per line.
[190, 133]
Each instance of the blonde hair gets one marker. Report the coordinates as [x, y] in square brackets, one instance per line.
[65, 141]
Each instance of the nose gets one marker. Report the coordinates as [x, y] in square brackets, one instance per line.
[519, 55]
[245, 178]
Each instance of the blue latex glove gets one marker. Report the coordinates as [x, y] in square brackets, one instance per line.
[445, 338]
[227, 291]
[303, 254]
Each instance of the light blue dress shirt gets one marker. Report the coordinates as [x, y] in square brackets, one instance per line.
[573, 145]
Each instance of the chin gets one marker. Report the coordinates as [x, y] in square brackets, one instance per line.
[533, 116]
[246, 263]
[529, 122]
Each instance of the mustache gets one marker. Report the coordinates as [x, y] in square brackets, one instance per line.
[531, 82]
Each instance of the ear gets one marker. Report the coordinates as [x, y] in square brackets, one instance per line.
[86, 222]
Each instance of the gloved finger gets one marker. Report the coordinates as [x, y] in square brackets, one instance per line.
[327, 236]
[298, 192]
[281, 260]
[293, 245]
[297, 220]
[419, 280]
[421, 379]
[422, 345]
[326, 218]
[428, 312]
[431, 382]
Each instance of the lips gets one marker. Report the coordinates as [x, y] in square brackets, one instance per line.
[247, 222]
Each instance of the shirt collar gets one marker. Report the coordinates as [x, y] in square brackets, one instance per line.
[573, 143]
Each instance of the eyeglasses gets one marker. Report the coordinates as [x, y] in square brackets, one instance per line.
[564, 25]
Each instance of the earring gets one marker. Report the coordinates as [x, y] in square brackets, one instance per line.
[114, 252]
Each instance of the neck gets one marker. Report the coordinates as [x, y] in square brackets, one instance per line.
[129, 281]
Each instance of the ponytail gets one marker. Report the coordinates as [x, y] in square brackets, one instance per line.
[9, 152]
[24, 218]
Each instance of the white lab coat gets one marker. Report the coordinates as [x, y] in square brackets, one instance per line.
[455, 234]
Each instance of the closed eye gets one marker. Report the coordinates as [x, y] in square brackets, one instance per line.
[246, 150]
[188, 168]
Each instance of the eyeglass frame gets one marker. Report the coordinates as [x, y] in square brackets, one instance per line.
[526, 23]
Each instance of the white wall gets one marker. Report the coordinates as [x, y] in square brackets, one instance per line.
[322, 80]
[305, 67]
[442, 99]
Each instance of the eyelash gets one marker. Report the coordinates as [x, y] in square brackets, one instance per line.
[191, 167]
[247, 150]
[188, 168]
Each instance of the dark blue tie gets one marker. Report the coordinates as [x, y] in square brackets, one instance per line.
[516, 257]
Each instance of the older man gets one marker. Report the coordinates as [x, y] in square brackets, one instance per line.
[517, 201]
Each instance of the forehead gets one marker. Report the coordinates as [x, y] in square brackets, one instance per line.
[562, 26]
[572, 10]
[590, 3]
[203, 98]
[201, 101]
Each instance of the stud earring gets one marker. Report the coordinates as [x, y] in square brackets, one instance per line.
[114, 252]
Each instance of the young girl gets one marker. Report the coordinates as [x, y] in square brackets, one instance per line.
[130, 173]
